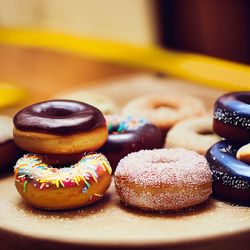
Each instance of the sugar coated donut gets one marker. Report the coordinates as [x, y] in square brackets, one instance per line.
[129, 134]
[163, 179]
[100, 101]
[231, 177]
[164, 110]
[9, 152]
[60, 127]
[45, 187]
[232, 116]
[194, 134]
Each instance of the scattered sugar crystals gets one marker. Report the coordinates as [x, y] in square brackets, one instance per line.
[231, 118]
[233, 181]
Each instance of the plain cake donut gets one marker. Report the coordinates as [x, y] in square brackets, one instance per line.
[193, 134]
[165, 110]
[100, 101]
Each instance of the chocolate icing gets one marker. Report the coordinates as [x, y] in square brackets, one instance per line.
[232, 116]
[59, 117]
[231, 177]
[119, 145]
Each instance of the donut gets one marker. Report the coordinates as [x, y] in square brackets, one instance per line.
[9, 152]
[164, 110]
[60, 127]
[129, 134]
[46, 187]
[193, 134]
[100, 101]
[243, 154]
[231, 177]
[232, 116]
[163, 179]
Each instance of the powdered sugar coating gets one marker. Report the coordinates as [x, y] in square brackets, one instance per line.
[231, 118]
[163, 179]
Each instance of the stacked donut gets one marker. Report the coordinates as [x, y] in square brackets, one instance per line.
[229, 158]
[60, 172]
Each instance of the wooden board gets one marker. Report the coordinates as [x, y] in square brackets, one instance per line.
[109, 224]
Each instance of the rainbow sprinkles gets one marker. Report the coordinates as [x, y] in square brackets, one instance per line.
[120, 124]
[31, 168]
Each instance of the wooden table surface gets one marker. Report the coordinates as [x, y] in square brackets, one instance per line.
[107, 224]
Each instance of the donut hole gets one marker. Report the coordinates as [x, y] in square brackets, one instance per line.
[205, 132]
[164, 105]
[114, 130]
[56, 112]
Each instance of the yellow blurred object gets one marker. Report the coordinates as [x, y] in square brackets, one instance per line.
[197, 68]
[10, 94]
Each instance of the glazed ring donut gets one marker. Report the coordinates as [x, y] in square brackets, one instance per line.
[51, 188]
[163, 179]
[231, 177]
[193, 134]
[232, 116]
[129, 134]
[9, 152]
[102, 102]
[164, 110]
[60, 127]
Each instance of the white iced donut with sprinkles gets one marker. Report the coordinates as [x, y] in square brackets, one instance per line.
[45, 187]
[163, 179]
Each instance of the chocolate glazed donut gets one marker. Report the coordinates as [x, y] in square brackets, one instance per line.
[231, 177]
[60, 127]
[232, 116]
[121, 142]
[61, 117]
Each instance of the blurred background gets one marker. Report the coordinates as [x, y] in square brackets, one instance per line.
[58, 43]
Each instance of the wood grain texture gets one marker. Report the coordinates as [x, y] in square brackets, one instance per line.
[109, 224]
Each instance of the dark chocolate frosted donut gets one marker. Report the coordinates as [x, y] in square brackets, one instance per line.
[59, 117]
[231, 177]
[232, 116]
[60, 127]
[129, 134]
